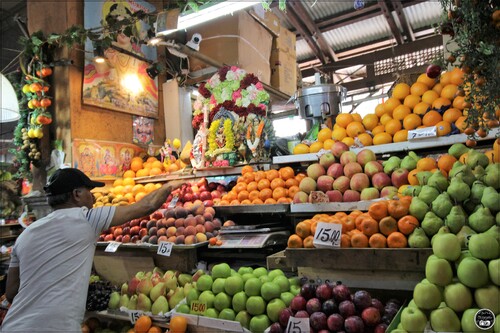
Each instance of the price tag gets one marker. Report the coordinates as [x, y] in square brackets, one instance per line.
[173, 202]
[134, 315]
[298, 325]
[327, 235]
[422, 133]
[165, 248]
[112, 247]
[198, 307]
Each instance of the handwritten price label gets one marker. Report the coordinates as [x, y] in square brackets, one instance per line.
[422, 133]
[297, 325]
[173, 202]
[327, 235]
[112, 247]
[134, 315]
[198, 307]
[165, 249]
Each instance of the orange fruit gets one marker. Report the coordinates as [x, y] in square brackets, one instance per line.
[128, 181]
[426, 164]
[292, 190]
[151, 159]
[421, 108]
[412, 100]
[457, 76]
[400, 91]
[354, 129]
[461, 124]
[155, 329]
[445, 78]
[315, 147]
[286, 173]
[393, 126]
[272, 174]
[142, 324]
[246, 168]
[370, 121]
[438, 87]
[155, 171]
[378, 129]
[129, 174]
[136, 165]
[431, 118]
[294, 241]
[265, 194]
[380, 110]
[459, 102]
[344, 119]
[377, 241]
[328, 143]
[277, 182]
[451, 115]
[400, 136]
[397, 240]
[382, 138]
[324, 134]
[178, 324]
[400, 112]
[390, 104]
[279, 192]
[412, 177]
[259, 175]
[443, 128]
[445, 162]
[300, 148]
[138, 188]
[150, 187]
[142, 173]
[356, 117]
[407, 224]
[385, 119]
[365, 139]
[252, 195]
[173, 167]
[449, 91]
[118, 182]
[270, 201]
[423, 78]
[348, 141]
[157, 164]
[243, 195]
[339, 133]
[418, 88]
[412, 121]
[430, 96]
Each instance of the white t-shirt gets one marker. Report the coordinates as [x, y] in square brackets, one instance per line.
[54, 256]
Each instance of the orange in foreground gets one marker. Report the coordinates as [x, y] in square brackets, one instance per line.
[142, 324]
[178, 324]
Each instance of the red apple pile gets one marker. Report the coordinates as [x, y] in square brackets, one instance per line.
[202, 190]
[332, 308]
[344, 176]
[188, 225]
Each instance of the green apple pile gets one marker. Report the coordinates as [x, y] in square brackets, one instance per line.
[253, 297]
[458, 283]
[155, 292]
[464, 203]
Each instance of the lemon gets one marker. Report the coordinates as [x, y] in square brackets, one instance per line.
[301, 149]
[176, 143]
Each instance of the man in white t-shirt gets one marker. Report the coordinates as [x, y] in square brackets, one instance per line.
[52, 259]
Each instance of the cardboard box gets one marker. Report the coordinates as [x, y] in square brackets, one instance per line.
[267, 18]
[235, 40]
[285, 41]
[283, 71]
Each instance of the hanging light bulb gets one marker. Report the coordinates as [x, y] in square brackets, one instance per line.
[99, 54]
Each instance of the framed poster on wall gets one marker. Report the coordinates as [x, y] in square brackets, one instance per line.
[121, 82]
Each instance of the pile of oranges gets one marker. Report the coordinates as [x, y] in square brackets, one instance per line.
[386, 224]
[152, 167]
[263, 187]
[127, 188]
[144, 324]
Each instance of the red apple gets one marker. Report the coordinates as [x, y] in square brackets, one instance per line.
[335, 170]
[334, 196]
[433, 71]
[381, 180]
[359, 182]
[399, 177]
[338, 148]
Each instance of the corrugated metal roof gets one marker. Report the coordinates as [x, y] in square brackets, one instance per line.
[423, 14]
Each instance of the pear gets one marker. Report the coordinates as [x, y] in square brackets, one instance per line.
[481, 220]
[479, 172]
[184, 278]
[157, 291]
[457, 150]
[391, 164]
[495, 232]
[438, 181]
[431, 224]
[423, 177]
[175, 296]
[158, 270]
[428, 194]
[132, 303]
[171, 283]
[484, 246]
[160, 306]
[145, 286]
[458, 189]
[456, 219]
[497, 219]
[464, 235]
[492, 176]
[412, 190]
[408, 163]
[476, 191]
[442, 230]
[442, 205]
[192, 295]
[143, 303]
[418, 239]
[464, 171]
[124, 288]
[469, 206]
[114, 300]
[491, 199]
[418, 208]
[124, 299]
[475, 158]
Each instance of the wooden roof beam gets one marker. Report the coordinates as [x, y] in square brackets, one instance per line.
[390, 20]
[407, 30]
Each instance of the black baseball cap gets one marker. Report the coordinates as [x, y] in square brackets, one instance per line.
[66, 180]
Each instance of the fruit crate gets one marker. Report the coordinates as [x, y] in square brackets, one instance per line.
[201, 324]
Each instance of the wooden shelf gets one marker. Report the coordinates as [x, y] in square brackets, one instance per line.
[253, 209]
[121, 316]
[330, 207]
[8, 237]
[9, 225]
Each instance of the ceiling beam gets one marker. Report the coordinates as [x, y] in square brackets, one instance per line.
[8, 16]
[386, 11]
[350, 17]
[407, 29]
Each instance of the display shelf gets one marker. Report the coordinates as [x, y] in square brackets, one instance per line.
[302, 158]
[9, 225]
[154, 247]
[124, 317]
[330, 207]
[252, 209]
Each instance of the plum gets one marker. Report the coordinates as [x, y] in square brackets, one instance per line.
[317, 321]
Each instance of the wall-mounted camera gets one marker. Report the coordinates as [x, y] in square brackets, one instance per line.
[195, 41]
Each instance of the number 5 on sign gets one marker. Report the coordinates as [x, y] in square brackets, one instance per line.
[297, 325]
[165, 249]
[134, 315]
[327, 235]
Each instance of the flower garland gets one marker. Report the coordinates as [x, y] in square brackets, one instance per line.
[253, 145]
[213, 147]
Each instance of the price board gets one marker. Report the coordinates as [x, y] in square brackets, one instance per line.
[112, 247]
[327, 235]
[198, 307]
[165, 248]
[133, 315]
[298, 325]
[422, 133]
[173, 202]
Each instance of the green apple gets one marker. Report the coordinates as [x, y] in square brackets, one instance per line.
[458, 297]
[483, 246]
[243, 317]
[283, 282]
[427, 296]
[255, 305]
[259, 323]
[233, 272]
[270, 290]
[222, 301]
[192, 295]
[468, 322]
[233, 284]
[488, 297]
[212, 313]
[264, 278]
[259, 271]
[221, 270]
[207, 297]
[218, 285]
[294, 281]
[247, 276]
[252, 287]
[411, 304]
[472, 272]
[446, 246]
[275, 272]
[444, 320]
[413, 320]
[245, 269]
[287, 297]
[294, 289]
[183, 308]
[204, 282]
[273, 309]
[494, 270]
[438, 271]
[239, 301]
[227, 314]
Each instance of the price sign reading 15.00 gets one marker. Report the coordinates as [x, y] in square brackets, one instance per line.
[164, 249]
[327, 235]
[297, 325]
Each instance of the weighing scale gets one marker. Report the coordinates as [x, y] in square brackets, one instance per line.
[252, 236]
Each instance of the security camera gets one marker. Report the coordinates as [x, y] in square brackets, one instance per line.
[195, 41]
